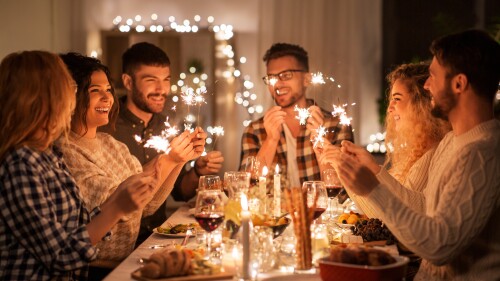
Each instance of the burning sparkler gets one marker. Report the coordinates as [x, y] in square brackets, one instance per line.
[302, 115]
[319, 138]
[161, 142]
[216, 132]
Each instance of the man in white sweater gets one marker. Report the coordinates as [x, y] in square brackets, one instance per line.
[454, 224]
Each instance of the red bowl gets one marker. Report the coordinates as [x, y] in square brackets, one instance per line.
[336, 271]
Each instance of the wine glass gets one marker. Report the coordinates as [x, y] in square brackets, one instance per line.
[209, 182]
[235, 182]
[333, 187]
[316, 189]
[209, 212]
[253, 166]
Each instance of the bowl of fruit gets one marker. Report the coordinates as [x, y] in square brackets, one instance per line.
[277, 224]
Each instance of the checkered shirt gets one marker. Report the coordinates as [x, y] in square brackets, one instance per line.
[42, 219]
[255, 134]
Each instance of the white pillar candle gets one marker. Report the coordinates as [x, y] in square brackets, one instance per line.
[277, 192]
[245, 239]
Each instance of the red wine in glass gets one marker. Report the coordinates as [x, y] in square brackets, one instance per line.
[333, 190]
[318, 212]
[209, 222]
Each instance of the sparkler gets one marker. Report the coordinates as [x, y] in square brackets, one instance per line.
[161, 142]
[302, 115]
[319, 138]
[216, 132]
[339, 110]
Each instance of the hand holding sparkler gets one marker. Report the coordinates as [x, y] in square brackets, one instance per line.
[273, 121]
[181, 148]
[209, 164]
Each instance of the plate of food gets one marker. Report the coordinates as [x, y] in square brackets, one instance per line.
[176, 231]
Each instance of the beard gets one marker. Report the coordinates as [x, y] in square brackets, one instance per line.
[447, 102]
[140, 100]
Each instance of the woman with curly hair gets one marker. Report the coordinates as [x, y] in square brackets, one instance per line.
[412, 132]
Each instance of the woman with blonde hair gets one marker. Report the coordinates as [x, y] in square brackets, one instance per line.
[45, 230]
[412, 132]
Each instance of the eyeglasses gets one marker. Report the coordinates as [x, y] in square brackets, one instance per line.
[283, 76]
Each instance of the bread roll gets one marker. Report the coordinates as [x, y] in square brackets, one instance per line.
[167, 263]
[360, 255]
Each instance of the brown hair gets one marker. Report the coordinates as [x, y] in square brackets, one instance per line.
[38, 96]
[422, 130]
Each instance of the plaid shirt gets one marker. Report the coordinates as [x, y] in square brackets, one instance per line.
[255, 134]
[42, 230]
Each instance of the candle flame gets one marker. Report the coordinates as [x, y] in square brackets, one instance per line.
[264, 171]
[277, 169]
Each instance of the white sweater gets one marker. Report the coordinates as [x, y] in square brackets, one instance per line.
[457, 232]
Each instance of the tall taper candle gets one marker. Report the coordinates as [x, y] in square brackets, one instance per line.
[245, 239]
[277, 192]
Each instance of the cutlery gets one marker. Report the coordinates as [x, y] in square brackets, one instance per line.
[189, 232]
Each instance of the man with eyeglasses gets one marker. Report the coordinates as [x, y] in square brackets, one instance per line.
[278, 137]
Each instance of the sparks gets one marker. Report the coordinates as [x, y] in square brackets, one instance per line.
[317, 78]
[161, 142]
[188, 127]
[302, 115]
[341, 113]
[217, 131]
[273, 81]
[319, 138]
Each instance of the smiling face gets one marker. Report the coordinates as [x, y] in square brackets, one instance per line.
[290, 92]
[439, 85]
[149, 87]
[398, 105]
[100, 100]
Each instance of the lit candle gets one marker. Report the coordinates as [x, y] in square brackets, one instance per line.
[277, 192]
[245, 239]
[262, 183]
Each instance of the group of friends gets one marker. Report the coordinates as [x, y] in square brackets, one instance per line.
[77, 189]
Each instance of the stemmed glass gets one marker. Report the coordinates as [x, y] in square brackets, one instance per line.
[209, 212]
[333, 187]
[210, 182]
[253, 166]
[316, 189]
[235, 181]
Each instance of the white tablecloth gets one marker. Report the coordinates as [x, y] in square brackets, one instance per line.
[123, 271]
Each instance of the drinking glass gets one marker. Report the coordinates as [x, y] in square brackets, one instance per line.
[236, 181]
[209, 212]
[316, 189]
[253, 166]
[210, 182]
[333, 187]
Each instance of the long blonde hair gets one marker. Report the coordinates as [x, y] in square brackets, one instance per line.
[421, 131]
[38, 96]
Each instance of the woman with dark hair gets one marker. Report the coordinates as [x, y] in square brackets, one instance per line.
[46, 231]
[100, 163]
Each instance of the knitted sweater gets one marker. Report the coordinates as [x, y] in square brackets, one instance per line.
[457, 233]
[416, 180]
[99, 165]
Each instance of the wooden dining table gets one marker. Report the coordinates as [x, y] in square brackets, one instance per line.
[156, 242]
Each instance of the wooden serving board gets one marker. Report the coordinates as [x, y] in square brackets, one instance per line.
[223, 275]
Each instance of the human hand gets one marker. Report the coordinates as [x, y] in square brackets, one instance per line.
[361, 155]
[330, 154]
[315, 120]
[209, 164]
[182, 148]
[355, 176]
[136, 191]
[273, 121]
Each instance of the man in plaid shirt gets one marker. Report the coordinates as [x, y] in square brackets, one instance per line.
[278, 137]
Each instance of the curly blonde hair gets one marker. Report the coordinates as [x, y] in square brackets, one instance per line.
[38, 96]
[421, 131]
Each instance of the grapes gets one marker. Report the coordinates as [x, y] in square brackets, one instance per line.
[373, 230]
